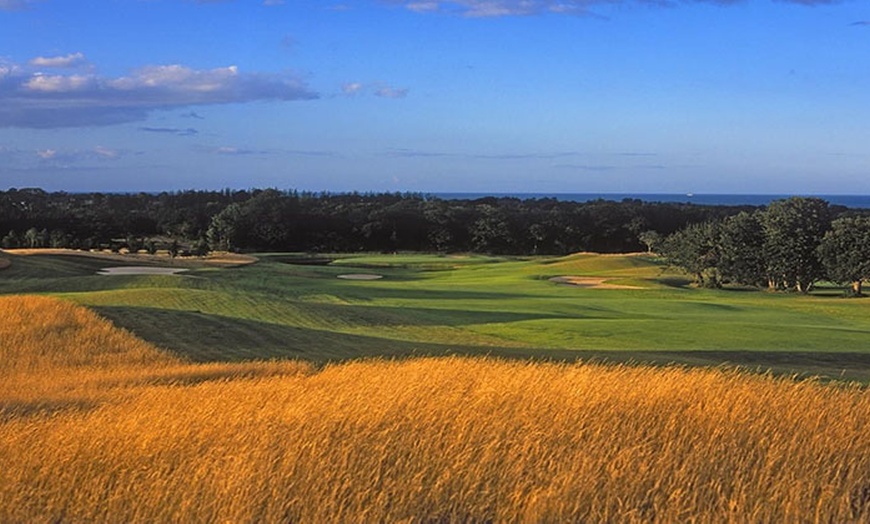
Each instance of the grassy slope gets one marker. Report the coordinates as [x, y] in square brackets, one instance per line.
[465, 305]
[98, 426]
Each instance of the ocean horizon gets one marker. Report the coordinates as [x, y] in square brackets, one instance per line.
[703, 199]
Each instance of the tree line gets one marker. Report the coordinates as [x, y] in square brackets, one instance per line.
[789, 245]
[269, 219]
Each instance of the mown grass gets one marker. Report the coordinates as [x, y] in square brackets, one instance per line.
[98, 426]
[474, 305]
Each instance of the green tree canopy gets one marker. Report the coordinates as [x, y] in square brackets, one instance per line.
[793, 230]
[696, 250]
[741, 242]
[845, 251]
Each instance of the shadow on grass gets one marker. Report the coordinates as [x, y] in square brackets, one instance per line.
[201, 337]
[678, 282]
[208, 338]
[416, 316]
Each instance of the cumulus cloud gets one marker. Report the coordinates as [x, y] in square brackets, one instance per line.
[71, 60]
[496, 8]
[33, 99]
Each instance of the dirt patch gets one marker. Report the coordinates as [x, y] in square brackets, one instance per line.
[140, 270]
[589, 282]
[361, 276]
[4, 263]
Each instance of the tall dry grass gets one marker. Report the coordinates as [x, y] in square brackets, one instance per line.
[442, 440]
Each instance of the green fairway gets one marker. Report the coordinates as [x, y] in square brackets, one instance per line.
[296, 306]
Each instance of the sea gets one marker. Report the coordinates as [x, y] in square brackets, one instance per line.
[704, 199]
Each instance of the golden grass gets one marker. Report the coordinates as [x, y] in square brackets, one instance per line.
[438, 440]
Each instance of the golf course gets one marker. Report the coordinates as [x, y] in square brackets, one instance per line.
[423, 388]
[329, 308]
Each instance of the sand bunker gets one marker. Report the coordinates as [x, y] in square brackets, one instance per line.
[140, 270]
[361, 276]
[589, 282]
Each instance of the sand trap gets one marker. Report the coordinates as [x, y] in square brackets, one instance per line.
[140, 270]
[589, 282]
[361, 276]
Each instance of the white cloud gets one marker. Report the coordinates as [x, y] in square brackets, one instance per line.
[70, 60]
[70, 157]
[46, 154]
[351, 88]
[37, 100]
[57, 83]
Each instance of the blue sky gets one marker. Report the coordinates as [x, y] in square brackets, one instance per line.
[546, 96]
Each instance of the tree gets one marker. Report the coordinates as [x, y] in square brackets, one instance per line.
[200, 248]
[793, 229]
[695, 250]
[845, 252]
[10, 241]
[134, 243]
[652, 240]
[741, 243]
[490, 233]
[32, 238]
[225, 229]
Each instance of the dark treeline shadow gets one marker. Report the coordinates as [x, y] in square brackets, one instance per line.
[194, 222]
